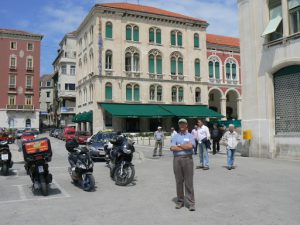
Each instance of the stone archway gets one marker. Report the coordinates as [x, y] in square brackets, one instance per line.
[214, 100]
[232, 105]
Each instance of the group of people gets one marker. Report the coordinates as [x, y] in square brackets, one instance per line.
[184, 144]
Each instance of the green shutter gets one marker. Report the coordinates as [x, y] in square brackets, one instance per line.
[211, 69]
[227, 71]
[151, 36]
[151, 64]
[179, 39]
[128, 93]
[128, 33]
[136, 34]
[108, 31]
[197, 68]
[173, 39]
[173, 66]
[234, 72]
[158, 65]
[217, 70]
[158, 36]
[136, 93]
[180, 67]
[108, 92]
[196, 41]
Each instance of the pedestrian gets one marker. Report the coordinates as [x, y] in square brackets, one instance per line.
[194, 133]
[216, 136]
[173, 132]
[231, 140]
[182, 147]
[158, 137]
[203, 137]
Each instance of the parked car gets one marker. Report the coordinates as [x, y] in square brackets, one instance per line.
[68, 133]
[51, 133]
[96, 144]
[82, 137]
[28, 136]
[56, 133]
[60, 134]
[19, 133]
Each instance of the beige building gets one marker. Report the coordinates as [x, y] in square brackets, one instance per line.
[139, 67]
[46, 100]
[270, 50]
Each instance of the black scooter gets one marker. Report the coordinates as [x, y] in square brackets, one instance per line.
[5, 158]
[119, 159]
[81, 165]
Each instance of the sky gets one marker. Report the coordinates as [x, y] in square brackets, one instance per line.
[55, 18]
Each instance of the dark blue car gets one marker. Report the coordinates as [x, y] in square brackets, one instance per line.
[96, 144]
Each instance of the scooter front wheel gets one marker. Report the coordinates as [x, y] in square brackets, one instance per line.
[124, 176]
[88, 183]
[5, 169]
[43, 185]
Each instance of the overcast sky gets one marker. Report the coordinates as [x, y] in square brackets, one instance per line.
[54, 18]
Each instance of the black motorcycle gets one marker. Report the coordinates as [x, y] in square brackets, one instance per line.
[81, 165]
[37, 153]
[5, 158]
[119, 158]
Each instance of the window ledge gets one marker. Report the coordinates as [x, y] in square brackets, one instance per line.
[197, 78]
[282, 40]
[156, 76]
[108, 39]
[176, 46]
[156, 44]
[134, 42]
[197, 48]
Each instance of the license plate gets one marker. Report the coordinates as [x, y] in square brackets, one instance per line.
[41, 169]
[101, 153]
[4, 156]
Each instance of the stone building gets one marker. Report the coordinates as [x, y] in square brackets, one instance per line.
[270, 49]
[20, 76]
[46, 100]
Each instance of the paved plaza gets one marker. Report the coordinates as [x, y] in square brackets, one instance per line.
[258, 191]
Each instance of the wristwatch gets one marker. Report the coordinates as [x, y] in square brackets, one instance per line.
[179, 145]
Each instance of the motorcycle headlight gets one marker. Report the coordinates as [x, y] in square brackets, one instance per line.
[126, 151]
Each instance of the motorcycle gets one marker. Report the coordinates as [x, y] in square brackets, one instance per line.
[5, 158]
[37, 153]
[119, 157]
[81, 165]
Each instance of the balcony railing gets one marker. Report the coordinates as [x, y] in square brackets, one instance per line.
[12, 86]
[13, 67]
[133, 74]
[20, 107]
[29, 69]
[177, 77]
[156, 76]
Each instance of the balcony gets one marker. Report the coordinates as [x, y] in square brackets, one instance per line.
[133, 74]
[233, 82]
[155, 76]
[13, 67]
[108, 72]
[30, 69]
[12, 86]
[66, 94]
[177, 77]
[67, 110]
[20, 107]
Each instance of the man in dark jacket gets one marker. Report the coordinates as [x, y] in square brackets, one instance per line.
[216, 136]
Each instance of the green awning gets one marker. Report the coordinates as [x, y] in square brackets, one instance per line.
[192, 111]
[135, 110]
[157, 111]
[86, 117]
[74, 119]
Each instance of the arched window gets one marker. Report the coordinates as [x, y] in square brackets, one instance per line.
[196, 41]
[132, 60]
[231, 69]
[132, 33]
[128, 92]
[176, 63]
[155, 93]
[155, 35]
[214, 68]
[108, 91]
[108, 30]
[136, 92]
[197, 95]
[155, 62]
[176, 38]
[91, 55]
[197, 68]
[177, 94]
[132, 92]
[108, 60]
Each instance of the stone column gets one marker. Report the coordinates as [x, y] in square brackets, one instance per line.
[223, 108]
[88, 128]
[239, 108]
[285, 18]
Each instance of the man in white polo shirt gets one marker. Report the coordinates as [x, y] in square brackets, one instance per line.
[203, 135]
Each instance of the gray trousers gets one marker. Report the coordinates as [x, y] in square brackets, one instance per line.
[184, 171]
[158, 144]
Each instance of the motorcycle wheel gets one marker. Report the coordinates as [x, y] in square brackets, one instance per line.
[5, 169]
[112, 173]
[43, 185]
[125, 178]
[88, 184]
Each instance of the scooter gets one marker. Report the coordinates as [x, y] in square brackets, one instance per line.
[81, 165]
[5, 158]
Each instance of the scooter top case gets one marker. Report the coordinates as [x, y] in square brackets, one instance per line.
[37, 148]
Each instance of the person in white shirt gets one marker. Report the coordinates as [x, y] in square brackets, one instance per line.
[203, 136]
[231, 140]
[173, 132]
[195, 134]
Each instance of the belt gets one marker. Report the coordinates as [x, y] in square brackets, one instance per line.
[184, 156]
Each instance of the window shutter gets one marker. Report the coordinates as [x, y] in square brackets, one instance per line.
[234, 77]
[158, 65]
[136, 34]
[197, 68]
[211, 69]
[227, 71]
[217, 70]
[179, 39]
[151, 36]
[173, 66]
[180, 67]
[108, 33]
[108, 92]
[136, 93]
[151, 64]
[158, 36]
[196, 41]
[128, 33]
[173, 38]
[128, 93]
